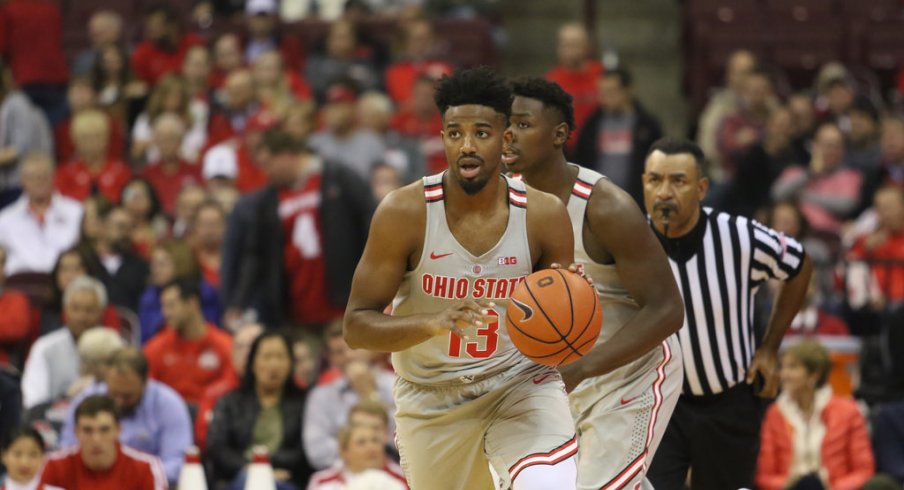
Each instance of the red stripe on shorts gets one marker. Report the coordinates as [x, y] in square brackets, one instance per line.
[555, 456]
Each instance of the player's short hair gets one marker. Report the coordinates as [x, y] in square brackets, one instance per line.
[679, 146]
[549, 93]
[814, 357]
[94, 405]
[625, 79]
[478, 86]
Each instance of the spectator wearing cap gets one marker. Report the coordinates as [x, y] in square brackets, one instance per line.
[31, 44]
[236, 108]
[419, 58]
[82, 96]
[862, 149]
[93, 171]
[112, 258]
[104, 29]
[262, 24]
[41, 224]
[745, 127]
[341, 59]
[171, 172]
[221, 166]
[154, 419]
[273, 268]
[403, 153]
[164, 46]
[342, 141]
[577, 73]
[420, 119]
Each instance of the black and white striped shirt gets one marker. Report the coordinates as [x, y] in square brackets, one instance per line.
[719, 266]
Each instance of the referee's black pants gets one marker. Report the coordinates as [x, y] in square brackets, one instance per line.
[716, 436]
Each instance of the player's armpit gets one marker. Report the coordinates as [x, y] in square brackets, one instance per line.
[390, 245]
[549, 230]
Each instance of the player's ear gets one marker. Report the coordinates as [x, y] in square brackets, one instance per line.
[561, 132]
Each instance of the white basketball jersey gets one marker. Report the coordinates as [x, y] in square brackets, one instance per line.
[618, 306]
[448, 274]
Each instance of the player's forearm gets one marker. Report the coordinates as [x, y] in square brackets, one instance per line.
[372, 330]
[787, 304]
[642, 333]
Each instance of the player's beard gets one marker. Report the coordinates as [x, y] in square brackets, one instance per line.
[472, 187]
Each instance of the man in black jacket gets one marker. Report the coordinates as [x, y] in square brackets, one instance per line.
[615, 139]
[292, 247]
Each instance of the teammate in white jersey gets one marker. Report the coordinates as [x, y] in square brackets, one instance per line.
[472, 412]
[623, 392]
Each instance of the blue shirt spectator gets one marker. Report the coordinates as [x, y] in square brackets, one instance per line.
[150, 312]
[154, 419]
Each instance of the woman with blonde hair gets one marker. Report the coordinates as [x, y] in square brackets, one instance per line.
[812, 439]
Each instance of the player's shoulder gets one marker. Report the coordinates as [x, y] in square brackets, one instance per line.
[609, 202]
[539, 200]
[402, 209]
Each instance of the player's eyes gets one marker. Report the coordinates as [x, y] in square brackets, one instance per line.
[523, 125]
[482, 134]
[454, 134]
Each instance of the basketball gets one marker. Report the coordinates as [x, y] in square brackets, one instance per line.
[554, 317]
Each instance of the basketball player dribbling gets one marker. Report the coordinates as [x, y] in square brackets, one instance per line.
[624, 390]
[473, 412]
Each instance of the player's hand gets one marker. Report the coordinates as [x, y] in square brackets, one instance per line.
[571, 376]
[465, 315]
[765, 363]
[576, 268]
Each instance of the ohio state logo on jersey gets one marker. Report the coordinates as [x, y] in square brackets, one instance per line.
[463, 287]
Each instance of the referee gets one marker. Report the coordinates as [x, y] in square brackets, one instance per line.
[718, 261]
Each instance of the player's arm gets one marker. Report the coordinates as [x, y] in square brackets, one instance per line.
[621, 228]
[549, 230]
[395, 232]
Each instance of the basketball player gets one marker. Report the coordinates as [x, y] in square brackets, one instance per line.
[623, 391]
[451, 250]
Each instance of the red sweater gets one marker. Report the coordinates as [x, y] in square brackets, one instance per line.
[31, 41]
[132, 469]
[151, 63]
[75, 180]
[190, 366]
[65, 148]
[168, 184]
[846, 453]
[15, 320]
[582, 85]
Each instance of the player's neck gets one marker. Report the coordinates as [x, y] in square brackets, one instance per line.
[555, 177]
[483, 200]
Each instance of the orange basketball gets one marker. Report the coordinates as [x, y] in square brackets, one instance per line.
[554, 317]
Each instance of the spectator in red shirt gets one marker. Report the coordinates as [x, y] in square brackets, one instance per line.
[15, 316]
[263, 35]
[163, 48]
[244, 153]
[238, 106]
[100, 462]
[92, 172]
[170, 173]
[190, 354]
[31, 43]
[884, 249]
[577, 73]
[275, 86]
[746, 127]
[82, 97]
[208, 226]
[227, 58]
[419, 59]
[420, 119]
[241, 346]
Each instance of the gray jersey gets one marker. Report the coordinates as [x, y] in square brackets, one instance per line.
[617, 304]
[448, 274]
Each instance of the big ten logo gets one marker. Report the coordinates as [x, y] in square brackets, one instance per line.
[508, 260]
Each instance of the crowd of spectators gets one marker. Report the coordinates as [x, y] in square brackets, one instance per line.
[180, 219]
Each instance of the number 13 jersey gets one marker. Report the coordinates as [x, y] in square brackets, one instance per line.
[446, 275]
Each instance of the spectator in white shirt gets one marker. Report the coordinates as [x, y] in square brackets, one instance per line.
[53, 364]
[41, 224]
[363, 465]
